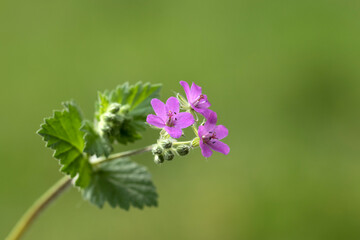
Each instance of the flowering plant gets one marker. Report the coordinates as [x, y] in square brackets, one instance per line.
[171, 121]
[85, 148]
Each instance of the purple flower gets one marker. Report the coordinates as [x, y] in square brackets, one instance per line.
[197, 101]
[168, 117]
[210, 134]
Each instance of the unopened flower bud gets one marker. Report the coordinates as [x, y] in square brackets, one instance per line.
[167, 143]
[109, 117]
[183, 150]
[157, 150]
[183, 102]
[158, 159]
[106, 128]
[114, 107]
[119, 119]
[195, 142]
[124, 109]
[169, 155]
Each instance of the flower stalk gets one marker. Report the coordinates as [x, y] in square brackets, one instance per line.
[39, 205]
[97, 161]
[55, 191]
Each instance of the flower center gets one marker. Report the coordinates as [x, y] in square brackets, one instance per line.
[199, 100]
[210, 137]
[170, 122]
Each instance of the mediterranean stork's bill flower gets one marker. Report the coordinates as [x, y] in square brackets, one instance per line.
[210, 135]
[169, 118]
[197, 101]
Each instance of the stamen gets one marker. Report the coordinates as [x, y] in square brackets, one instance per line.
[197, 101]
[170, 120]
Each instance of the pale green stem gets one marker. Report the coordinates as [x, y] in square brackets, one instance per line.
[50, 195]
[121, 155]
[181, 143]
[194, 128]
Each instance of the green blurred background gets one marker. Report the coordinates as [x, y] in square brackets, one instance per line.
[284, 77]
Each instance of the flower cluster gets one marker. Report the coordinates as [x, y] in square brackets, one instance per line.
[171, 121]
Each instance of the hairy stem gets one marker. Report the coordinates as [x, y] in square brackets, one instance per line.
[181, 143]
[121, 154]
[50, 195]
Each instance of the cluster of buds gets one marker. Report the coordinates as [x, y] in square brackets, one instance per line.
[165, 149]
[113, 119]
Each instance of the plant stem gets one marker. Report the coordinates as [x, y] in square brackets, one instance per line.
[181, 143]
[50, 195]
[121, 154]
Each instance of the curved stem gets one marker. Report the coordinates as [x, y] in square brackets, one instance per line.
[50, 195]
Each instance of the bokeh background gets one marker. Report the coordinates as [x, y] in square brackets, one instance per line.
[284, 77]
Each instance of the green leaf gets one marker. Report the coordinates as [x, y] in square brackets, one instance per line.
[102, 104]
[135, 106]
[62, 134]
[122, 183]
[137, 96]
[94, 143]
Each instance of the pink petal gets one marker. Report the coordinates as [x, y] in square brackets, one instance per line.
[173, 132]
[221, 131]
[205, 103]
[220, 147]
[155, 121]
[211, 120]
[172, 104]
[205, 150]
[195, 91]
[184, 120]
[201, 131]
[205, 112]
[186, 87]
[158, 106]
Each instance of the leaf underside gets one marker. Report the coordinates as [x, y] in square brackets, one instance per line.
[121, 183]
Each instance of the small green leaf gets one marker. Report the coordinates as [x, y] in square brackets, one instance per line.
[137, 96]
[122, 183]
[135, 106]
[102, 104]
[94, 143]
[62, 134]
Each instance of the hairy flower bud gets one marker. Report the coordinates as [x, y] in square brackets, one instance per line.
[106, 128]
[183, 102]
[169, 155]
[119, 119]
[183, 150]
[109, 117]
[158, 159]
[157, 150]
[166, 143]
[125, 109]
[114, 107]
[195, 142]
